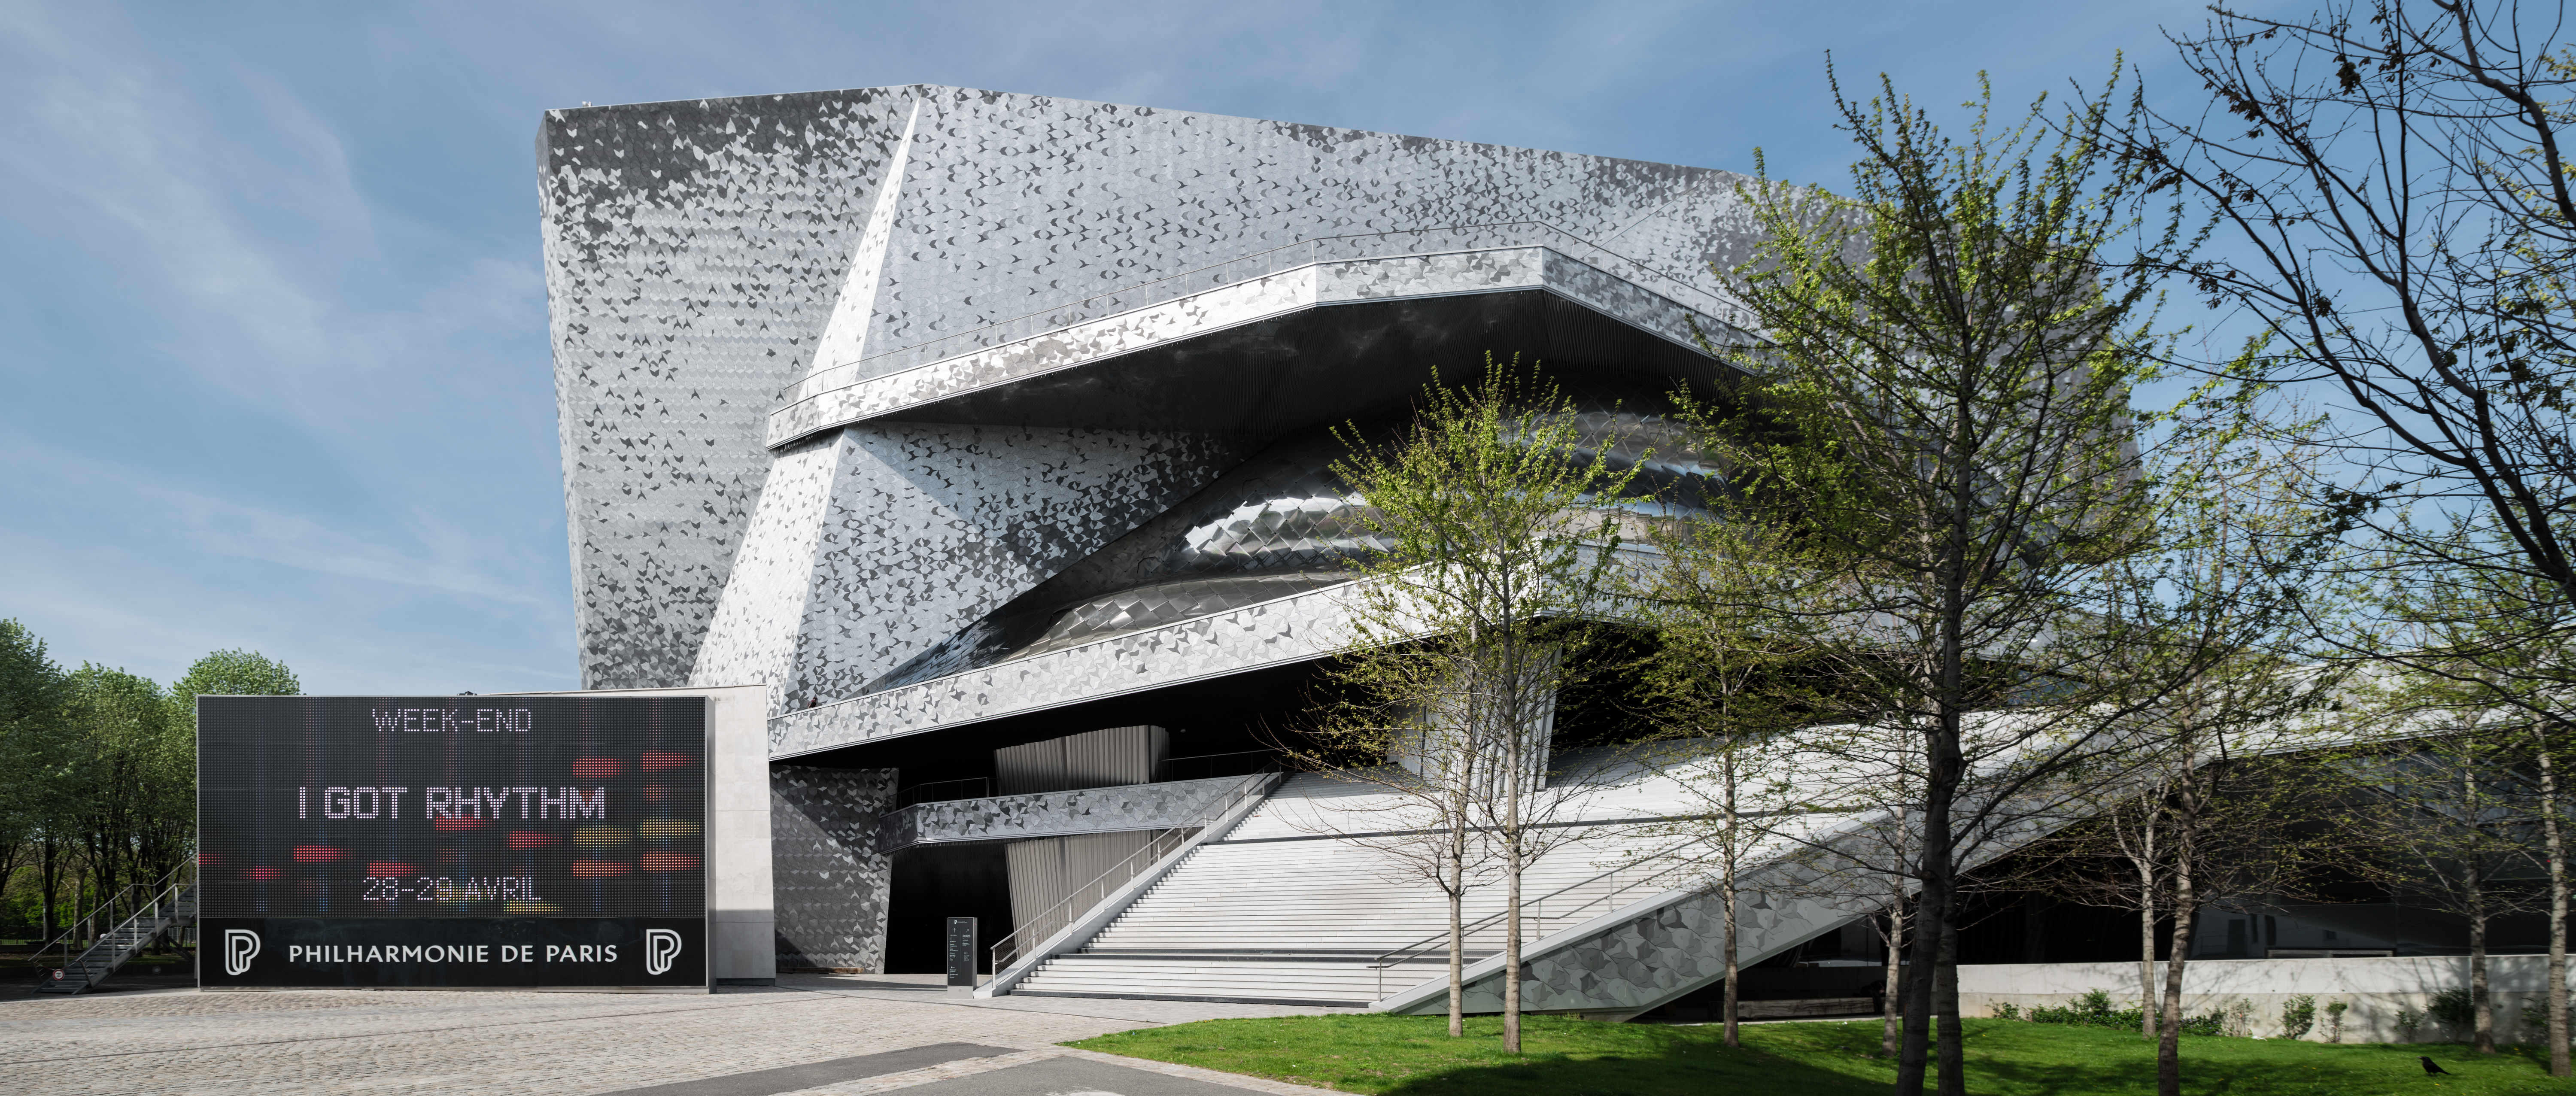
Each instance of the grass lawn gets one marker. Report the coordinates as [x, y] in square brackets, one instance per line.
[1414, 1056]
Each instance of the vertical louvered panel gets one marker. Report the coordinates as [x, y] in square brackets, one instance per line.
[1115, 756]
[1029, 770]
[1097, 759]
[1045, 871]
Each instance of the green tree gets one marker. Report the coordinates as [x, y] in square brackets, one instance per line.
[2396, 180]
[32, 694]
[231, 673]
[133, 779]
[2483, 801]
[1937, 426]
[1480, 608]
[1721, 687]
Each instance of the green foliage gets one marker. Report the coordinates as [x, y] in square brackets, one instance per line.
[2535, 1020]
[2453, 1007]
[2094, 1009]
[1413, 1056]
[33, 746]
[31, 686]
[98, 768]
[231, 673]
[1494, 545]
[2298, 1016]
[136, 778]
[2409, 1022]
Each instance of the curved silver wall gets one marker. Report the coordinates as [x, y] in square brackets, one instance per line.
[1283, 523]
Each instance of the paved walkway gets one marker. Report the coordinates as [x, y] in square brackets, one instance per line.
[811, 1034]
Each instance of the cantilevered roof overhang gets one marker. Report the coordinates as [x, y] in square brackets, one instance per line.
[1279, 350]
[1273, 633]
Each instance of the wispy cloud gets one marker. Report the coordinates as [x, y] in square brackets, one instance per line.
[272, 318]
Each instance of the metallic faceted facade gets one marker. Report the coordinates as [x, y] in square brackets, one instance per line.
[928, 406]
[830, 879]
[722, 270]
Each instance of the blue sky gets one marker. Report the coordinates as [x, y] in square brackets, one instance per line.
[272, 321]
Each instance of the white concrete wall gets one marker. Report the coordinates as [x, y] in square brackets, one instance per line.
[741, 916]
[746, 940]
[2375, 988]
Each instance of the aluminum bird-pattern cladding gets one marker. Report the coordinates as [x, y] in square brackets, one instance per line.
[1167, 805]
[917, 531]
[830, 880]
[816, 404]
[696, 251]
[1278, 524]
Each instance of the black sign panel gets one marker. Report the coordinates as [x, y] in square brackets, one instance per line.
[961, 951]
[452, 951]
[436, 832]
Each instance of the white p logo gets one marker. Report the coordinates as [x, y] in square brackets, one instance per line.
[660, 947]
[240, 947]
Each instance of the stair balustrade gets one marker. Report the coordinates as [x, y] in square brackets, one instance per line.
[1573, 906]
[76, 960]
[1054, 919]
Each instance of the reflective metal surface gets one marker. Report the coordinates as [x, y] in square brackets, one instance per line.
[697, 251]
[1278, 524]
[1284, 523]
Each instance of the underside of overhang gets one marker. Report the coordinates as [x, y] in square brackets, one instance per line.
[1325, 364]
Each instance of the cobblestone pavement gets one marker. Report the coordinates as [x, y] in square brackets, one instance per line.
[560, 1044]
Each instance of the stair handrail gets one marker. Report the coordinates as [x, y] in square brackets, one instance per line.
[1395, 956]
[1053, 919]
[114, 912]
[83, 927]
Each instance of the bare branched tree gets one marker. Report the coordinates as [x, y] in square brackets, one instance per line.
[2390, 183]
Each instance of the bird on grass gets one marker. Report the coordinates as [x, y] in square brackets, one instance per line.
[2429, 1066]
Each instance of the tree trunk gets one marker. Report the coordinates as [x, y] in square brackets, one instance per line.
[2481, 1019]
[2553, 842]
[1953, 1044]
[1514, 755]
[2169, 1041]
[1915, 1043]
[2147, 1010]
[1891, 1026]
[1726, 879]
[50, 868]
[1935, 912]
[2143, 858]
[1457, 931]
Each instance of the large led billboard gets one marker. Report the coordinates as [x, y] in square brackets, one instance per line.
[452, 841]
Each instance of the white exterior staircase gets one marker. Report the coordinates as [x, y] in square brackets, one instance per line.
[1280, 910]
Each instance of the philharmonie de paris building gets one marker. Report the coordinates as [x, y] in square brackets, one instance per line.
[974, 452]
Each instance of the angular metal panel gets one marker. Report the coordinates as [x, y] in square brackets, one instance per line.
[695, 252]
[831, 881]
[1052, 814]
